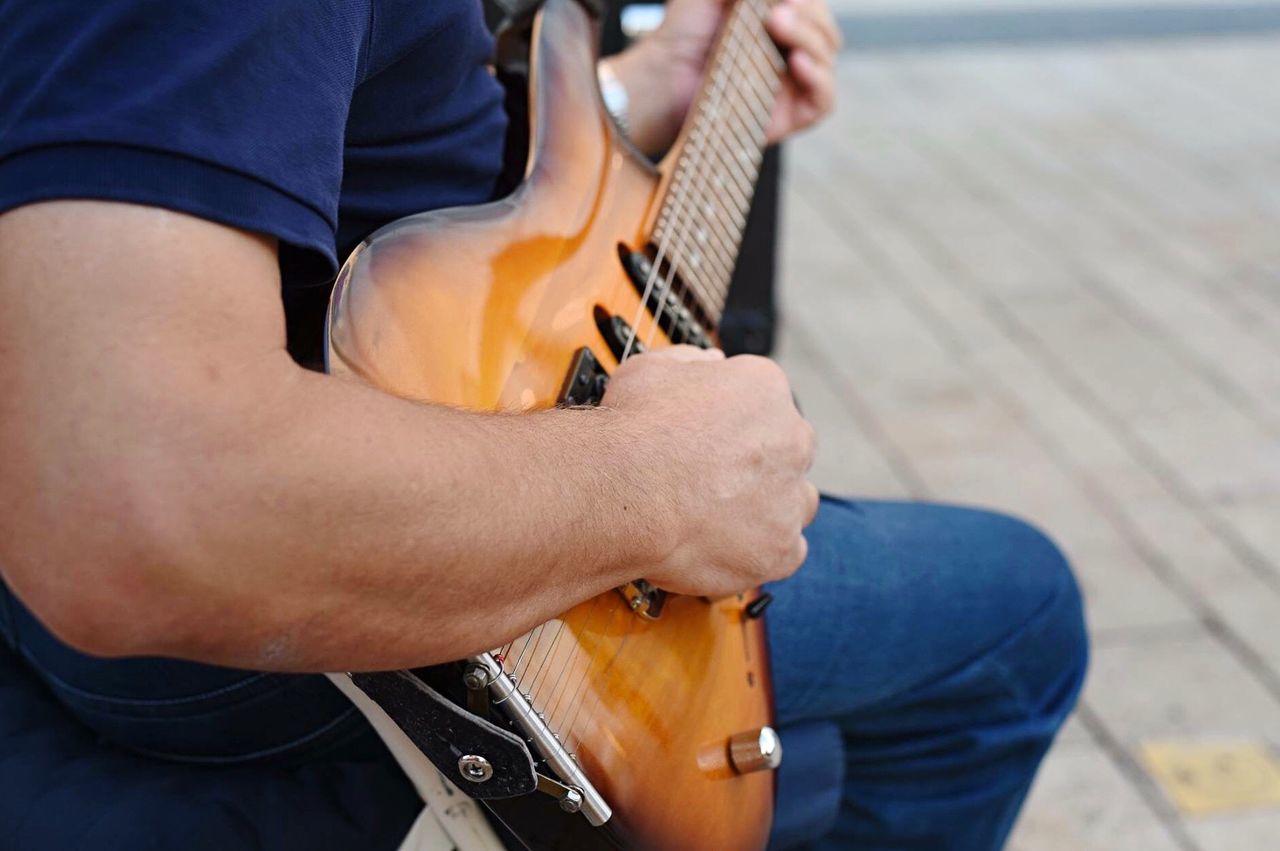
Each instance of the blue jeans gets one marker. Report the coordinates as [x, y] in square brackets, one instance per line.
[942, 647]
[947, 646]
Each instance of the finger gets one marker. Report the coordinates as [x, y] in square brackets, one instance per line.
[820, 13]
[816, 84]
[799, 552]
[685, 353]
[794, 30]
[814, 500]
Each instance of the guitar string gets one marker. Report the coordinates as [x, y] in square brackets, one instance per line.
[696, 164]
[524, 648]
[696, 177]
[688, 171]
[655, 271]
[657, 265]
[537, 677]
[697, 168]
[585, 629]
[556, 693]
[572, 711]
[749, 124]
[567, 726]
[749, 146]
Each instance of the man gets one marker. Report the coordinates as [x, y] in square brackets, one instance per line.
[174, 486]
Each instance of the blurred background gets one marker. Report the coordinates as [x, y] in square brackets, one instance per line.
[1033, 263]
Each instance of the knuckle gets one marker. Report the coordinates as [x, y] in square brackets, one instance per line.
[802, 552]
[808, 440]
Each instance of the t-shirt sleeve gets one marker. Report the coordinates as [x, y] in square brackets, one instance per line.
[232, 110]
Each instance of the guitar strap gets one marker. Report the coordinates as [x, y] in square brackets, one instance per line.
[450, 820]
[445, 733]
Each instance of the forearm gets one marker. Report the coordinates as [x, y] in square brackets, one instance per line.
[335, 527]
[369, 532]
[171, 483]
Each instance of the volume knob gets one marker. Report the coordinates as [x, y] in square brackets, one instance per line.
[755, 750]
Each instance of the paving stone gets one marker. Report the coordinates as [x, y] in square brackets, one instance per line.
[1048, 281]
[1185, 686]
[1081, 802]
[1237, 832]
[848, 461]
[1119, 588]
[1258, 521]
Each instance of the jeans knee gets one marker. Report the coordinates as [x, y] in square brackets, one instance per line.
[1054, 651]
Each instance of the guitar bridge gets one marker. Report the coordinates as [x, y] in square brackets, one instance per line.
[643, 599]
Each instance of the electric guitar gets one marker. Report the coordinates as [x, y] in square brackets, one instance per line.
[636, 719]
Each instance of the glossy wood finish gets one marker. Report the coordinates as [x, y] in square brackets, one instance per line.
[484, 308]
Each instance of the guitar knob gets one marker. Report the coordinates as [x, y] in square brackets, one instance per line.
[755, 750]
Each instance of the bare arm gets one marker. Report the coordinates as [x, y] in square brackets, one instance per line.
[171, 483]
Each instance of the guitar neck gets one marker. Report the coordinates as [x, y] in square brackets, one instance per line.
[716, 160]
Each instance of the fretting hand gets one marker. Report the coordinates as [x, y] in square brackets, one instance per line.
[663, 71]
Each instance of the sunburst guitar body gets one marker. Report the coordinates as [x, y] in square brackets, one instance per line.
[654, 704]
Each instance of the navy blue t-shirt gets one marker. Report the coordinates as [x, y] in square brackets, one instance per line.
[315, 121]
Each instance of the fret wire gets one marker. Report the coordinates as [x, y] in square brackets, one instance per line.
[714, 218]
[763, 97]
[708, 100]
[716, 240]
[725, 241]
[768, 65]
[752, 133]
[685, 269]
[718, 219]
[699, 276]
[713, 119]
[751, 120]
[706, 286]
[723, 215]
[695, 279]
[744, 180]
[725, 231]
[717, 265]
[725, 238]
[713, 267]
[742, 200]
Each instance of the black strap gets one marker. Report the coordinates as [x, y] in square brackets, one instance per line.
[445, 732]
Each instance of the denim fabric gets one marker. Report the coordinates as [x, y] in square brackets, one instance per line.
[810, 783]
[948, 645]
[925, 654]
[65, 788]
[185, 711]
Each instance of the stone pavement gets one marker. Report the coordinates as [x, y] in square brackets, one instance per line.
[1045, 278]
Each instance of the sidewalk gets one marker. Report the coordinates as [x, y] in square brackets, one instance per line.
[1046, 279]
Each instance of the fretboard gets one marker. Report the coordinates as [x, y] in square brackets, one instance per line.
[715, 166]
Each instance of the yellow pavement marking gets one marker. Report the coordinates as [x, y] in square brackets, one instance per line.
[1212, 777]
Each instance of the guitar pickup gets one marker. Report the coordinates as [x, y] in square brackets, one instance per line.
[677, 310]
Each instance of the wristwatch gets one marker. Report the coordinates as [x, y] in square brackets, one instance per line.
[614, 95]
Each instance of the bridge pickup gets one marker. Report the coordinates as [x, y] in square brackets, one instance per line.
[617, 334]
[679, 315]
[643, 599]
[585, 383]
